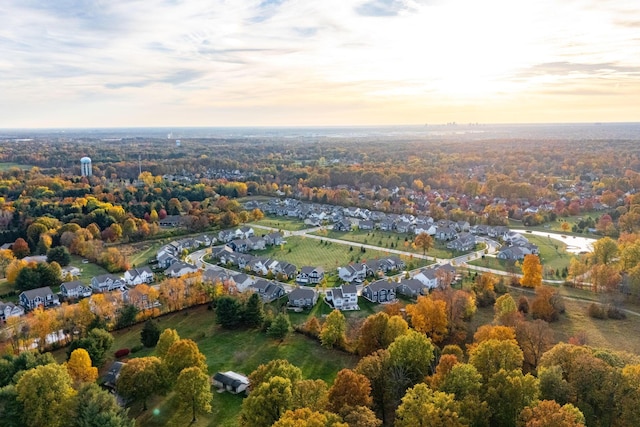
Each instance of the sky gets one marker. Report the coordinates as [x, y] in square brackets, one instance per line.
[129, 63]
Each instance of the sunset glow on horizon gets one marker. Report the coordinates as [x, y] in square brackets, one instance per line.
[75, 63]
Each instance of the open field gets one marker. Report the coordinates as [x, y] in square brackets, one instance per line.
[387, 239]
[281, 223]
[140, 253]
[556, 225]
[5, 166]
[302, 251]
[239, 350]
[88, 270]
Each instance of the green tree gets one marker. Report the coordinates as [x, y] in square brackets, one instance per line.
[127, 316]
[11, 409]
[508, 392]
[59, 254]
[379, 331]
[275, 368]
[45, 393]
[140, 378]
[333, 330]
[462, 380]
[423, 407]
[254, 311]
[376, 368]
[266, 403]
[184, 354]
[414, 353]
[150, 333]
[493, 355]
[193, 392]
[229, 312]
[280, 327]
[166, 340]
[95, 407]
[312, 394]
[97, 343]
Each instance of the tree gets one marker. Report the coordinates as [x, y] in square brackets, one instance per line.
[360, 416]
[378, 331]
[548, 413]
[193, 391]
[275, 368]
[254, 311]
[349, 389]
[305, 417]
[45, 393]
[79, 367]
[543, 306]
[59, 254]
[312, 394]
[20, 248]
[6, 257]
[280, 327]
[266, 403]
[13, 269]
[531, 271]
[508, 392]
[423, 241]
[97, 343]
[505, 310]
[333, 330]
[492, 355]
[423, 407]
[127, 316]
[488, 332]
[462, 380]
[141, 378]
[413, 353]
[95, 407]
[604, 250]
[376, 368]
[183, 354]
[228, 312]
[535, 338]
[166, 340]
[150, 333]
[429, 317]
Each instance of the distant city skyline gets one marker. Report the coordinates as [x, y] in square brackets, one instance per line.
[77, 63]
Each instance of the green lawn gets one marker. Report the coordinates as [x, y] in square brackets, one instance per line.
[282, 223]
[140, 253]
[387, 239]
[88, 270]
[302, 251]
[241, 351]
[5, 166]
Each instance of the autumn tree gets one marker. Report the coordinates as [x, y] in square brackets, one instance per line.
[492, 355]
[305, 417]
[360, 416]
[423, 241]
[140, 378]
[547, 413]
[604, 251]
[166, 340]
[20, 248]
[378, 331]
[535, 338]
[413, 353]
[79, 367]
[376, 367]
[45, 393]
[183, 354]
[423, 407]
[508, 393]
[275, 368]
[531, 271]
[193, 392]
[349, 389]
[547, 305]
[6, 257]
[505, 310]
[333, 330]
[312, 394]
[266, 403]
[429, 317]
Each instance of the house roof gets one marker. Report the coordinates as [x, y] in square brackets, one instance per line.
[230, 378]
[379, 285]
[39, 292]
[302, 293]
[72, 285]
[413, 284]
[112, 375]
[349, 289]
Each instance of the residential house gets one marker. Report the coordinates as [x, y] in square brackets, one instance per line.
[70, 271]
[244, 232]
[353, 273]
[165, 259]
[403, 227]
[366, 225]
[386, 225]
[464, 242]
[274, 239]
[106, 283]
[38, 297]
[216, 276]
[243, 281]
[137, 276]
[287, 269]
[240, 245]
[430, 229]
[511, 253]
[380, 291]
[412, 288]
[75, 289]
[111, 378]
[268, 291]
[310, 275]
[9, 310]
[343, 298]
[427, 277]
[230, 381]
[342, 225]
[171, 221]
[179, 269]
[446, 233]
[226, 235]
[497, 231]
[303, 297]
[256, 243]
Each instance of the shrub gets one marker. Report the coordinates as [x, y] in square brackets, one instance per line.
[122, 353]
[597, 311]
[136, 348]
[523, 304]
[615, 313]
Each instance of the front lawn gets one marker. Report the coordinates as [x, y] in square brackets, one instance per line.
[281, 223]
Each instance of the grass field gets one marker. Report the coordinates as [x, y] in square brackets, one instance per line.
[5, 166]
[302, 251]
[386, 239]
[241, 351]
[281, 223]
[88, 270]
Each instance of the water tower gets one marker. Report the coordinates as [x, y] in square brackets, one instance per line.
[85, 166]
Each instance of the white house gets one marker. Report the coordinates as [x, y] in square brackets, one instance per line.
[179, 269]
[8, 310]
[230, 381]
[427, 277]
[353, 273]
[75, 289]
[343, 298]
[137, 276]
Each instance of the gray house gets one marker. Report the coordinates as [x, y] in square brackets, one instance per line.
[380, 291]
[303, 297]
[38, 297]
[268, 291]
[106, 283]
[75, 289]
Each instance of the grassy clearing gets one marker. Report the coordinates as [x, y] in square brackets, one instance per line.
[387, 239]
[5, 166]
[553, 253]
[281, 223]
[140, 253]
[241, 351]
[88, 270]
[302, 251]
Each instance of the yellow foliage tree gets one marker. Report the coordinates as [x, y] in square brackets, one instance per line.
[13, 269]
[79, 367]
[429, 317]
[531, 271]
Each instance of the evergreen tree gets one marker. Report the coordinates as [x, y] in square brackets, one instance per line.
[150, 333]
[254, 312]
[280, 327]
